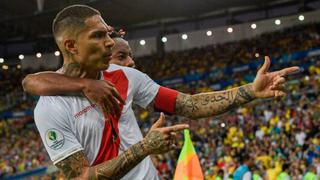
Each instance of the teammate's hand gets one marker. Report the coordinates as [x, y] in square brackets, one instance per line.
[271, 84]
[162, 139]
[104, 95]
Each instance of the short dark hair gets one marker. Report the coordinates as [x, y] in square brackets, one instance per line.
[72, 18]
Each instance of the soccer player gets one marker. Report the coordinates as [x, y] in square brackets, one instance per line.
[81, 140]
[134, 87]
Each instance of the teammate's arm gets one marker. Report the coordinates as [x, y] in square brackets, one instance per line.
[103, 93]
[52, 83]
[266, 84]
[158, 140]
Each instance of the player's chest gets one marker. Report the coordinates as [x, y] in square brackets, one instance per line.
[85, 115]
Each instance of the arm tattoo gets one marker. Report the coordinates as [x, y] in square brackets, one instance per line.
[74, 165]
[214, 103]
[116, 168]
[77, 165]
[155, 142]
[121, 165]
[244, 95]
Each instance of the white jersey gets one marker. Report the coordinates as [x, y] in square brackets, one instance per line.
[68, 124]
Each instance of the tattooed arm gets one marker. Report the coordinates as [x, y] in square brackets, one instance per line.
[77, 166]
[266, 84]
[158, 140]
[213, 103]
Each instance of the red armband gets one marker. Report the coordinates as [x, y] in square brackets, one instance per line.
[165, 100]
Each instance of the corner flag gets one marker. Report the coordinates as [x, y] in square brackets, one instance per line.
[188, 166]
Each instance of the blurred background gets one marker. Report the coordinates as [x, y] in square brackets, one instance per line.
[192, 46]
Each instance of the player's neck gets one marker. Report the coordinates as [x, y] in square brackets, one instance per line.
[73, 69]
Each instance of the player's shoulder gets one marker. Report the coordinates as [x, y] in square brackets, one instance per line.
[126, 70]
[52, 99]
[46, 103]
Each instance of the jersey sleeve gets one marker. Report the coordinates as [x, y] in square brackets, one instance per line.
[51, 119]
[145, 89]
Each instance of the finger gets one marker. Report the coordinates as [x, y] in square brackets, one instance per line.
[173, 146]
[116, 94]
[109, 105]
[175, 128]
[280, 93]
[159, 122]
[109, 83]
[279, 87]
[173, 134]
[169, 142]
[166, 136]
[166, 143]
[105, 110]
[279, 81]
[174, 143]
[173, 138]
[265, 66]
[277, 93]
[288, 71]
[115, 105]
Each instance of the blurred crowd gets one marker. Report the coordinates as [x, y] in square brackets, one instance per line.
[199, 60]
[21, 147]
[271, 137]
[12, 96]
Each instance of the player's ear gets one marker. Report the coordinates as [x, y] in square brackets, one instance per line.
[70, 46]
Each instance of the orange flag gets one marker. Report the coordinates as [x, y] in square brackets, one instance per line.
[188, 166]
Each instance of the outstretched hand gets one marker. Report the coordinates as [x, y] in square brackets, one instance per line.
[271, 84]
[162, 139]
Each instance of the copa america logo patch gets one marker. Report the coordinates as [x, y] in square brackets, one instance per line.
[54, 139]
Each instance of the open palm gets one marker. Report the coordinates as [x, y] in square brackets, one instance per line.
[271, 84]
